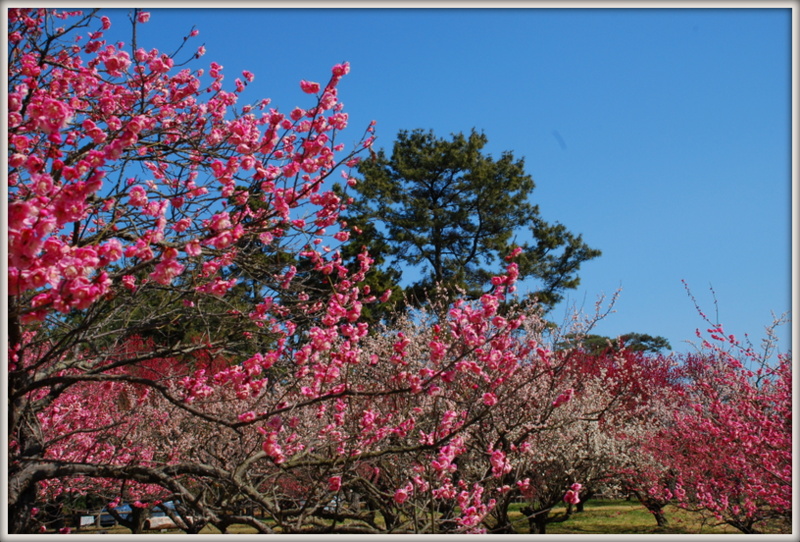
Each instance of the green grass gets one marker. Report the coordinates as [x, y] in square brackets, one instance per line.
[622, 517]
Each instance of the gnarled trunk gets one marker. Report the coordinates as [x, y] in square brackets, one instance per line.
[537, 519]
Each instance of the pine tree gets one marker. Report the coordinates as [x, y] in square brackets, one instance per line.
[452, 213]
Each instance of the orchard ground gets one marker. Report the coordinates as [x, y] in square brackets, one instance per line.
[600, 516]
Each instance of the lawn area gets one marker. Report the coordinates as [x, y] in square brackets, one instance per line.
[599, 517]
[624, 517]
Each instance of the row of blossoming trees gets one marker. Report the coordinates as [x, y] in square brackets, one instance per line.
[183, 328]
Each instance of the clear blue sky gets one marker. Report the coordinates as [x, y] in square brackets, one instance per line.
[661, 135]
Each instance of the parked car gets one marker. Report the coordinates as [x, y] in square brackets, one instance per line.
[157, 511]
[107, 520]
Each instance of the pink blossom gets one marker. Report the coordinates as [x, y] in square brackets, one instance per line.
[221, 241]
[334, 483]
[571, 497]
[182, 224]
[129, 281]
[563, 397]
[110, 251]
[137, 196]
[218, 287]
[49, 115]
[309, 87]
[166, 270]
[143, 16]
[136, 124]
[116, 64]
[192, 248]
[514, 253]
[401, 495]
[248, 416]
[500, 465]
[272, 449]
[341, 69]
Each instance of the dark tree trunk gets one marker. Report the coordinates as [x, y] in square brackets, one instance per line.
[135, 521]
[655, 507]
[500, 512]
[537, 519]
[584, 497]
[22, 477]
[19, 515]
[661, 519]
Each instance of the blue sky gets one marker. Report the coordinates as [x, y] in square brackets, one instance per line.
[661, 135]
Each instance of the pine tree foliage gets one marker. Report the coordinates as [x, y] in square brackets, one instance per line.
[451, 212]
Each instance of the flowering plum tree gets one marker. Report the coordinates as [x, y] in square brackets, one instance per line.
[729, 446]
[578, 407]
[135, 185]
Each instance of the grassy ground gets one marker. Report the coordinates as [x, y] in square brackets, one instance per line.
[599, 517]
[624, 517]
